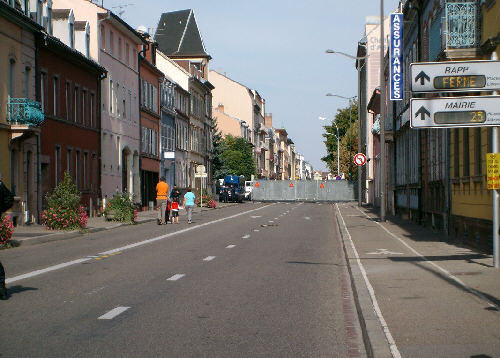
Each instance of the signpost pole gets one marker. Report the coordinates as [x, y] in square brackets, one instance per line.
[382, 115]
[495, 201]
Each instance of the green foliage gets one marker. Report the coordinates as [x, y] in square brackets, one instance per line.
[64, 211]
[65, 195]
[236, 157]
[121, 208]
[347, 122]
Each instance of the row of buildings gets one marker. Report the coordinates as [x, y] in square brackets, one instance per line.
[240, 112]
[113, 106]
[436, 177]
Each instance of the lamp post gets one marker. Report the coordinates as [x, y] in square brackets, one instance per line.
[382, 115]
[338, 144]
[350, 124]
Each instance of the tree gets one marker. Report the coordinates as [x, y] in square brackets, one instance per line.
[217, 150]
[236, 157]
[347, 122]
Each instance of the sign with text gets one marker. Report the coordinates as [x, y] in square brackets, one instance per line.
[455, 76]
[396, 57]
[453, 112]
[493, 170]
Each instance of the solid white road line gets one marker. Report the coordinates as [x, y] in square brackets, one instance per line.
[230, 246]
[446, 272]
[113, 313]
[209, 258]
[140, 243]
[245, 237]
[176, 277]
[388, 335]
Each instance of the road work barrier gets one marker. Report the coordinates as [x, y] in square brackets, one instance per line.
[304, 190]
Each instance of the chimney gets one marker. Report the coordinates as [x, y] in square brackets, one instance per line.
[268, 120]
[220, 107]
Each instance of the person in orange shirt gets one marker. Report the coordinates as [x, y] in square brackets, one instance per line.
[161, 199]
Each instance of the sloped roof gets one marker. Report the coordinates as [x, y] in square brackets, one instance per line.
[177, 34]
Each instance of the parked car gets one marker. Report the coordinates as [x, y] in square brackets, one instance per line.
[248, 189]
[233, 189]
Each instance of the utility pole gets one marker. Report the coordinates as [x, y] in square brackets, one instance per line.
[382, 115]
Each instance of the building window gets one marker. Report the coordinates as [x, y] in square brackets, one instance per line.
[84, 103]
[68, 100]
[111, 44]
[117, 99]
[27, 82]
[120, 48]
[12, 65]
[111, 96]
[466, 149]
[71, 35]
[124, 97]
[92, 104]
[43, 94]
[127, 54]
[56, 95]
[75, 105]
[130, 104]
[477, 151]
[57, 163]
[103, 38]
[87, 44]
[68, 160]
[77, 170]
[85, 170]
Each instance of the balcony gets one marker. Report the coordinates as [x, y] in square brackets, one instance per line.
[24, 112]
[462, 33]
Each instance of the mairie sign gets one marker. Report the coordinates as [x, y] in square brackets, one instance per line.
[456, 76]
[455, 112]
[396, 77]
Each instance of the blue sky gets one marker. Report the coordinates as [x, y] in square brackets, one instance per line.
[278, 48]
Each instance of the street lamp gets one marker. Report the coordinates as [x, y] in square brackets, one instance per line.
[338, 144]
[350, 124]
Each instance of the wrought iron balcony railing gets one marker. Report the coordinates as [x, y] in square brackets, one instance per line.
[24, 111]
[463, 20]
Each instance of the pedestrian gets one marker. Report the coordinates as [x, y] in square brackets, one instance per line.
[175, 195]
[175, 211]
[189, 204]
[161, 199]
[3, 289]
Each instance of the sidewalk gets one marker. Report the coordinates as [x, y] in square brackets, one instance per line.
[417, 294]
[36, 234]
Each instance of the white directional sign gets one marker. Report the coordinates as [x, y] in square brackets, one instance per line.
[455, 112]
[455, 76]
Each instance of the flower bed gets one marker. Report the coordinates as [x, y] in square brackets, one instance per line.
[121, 208]
[6, 229]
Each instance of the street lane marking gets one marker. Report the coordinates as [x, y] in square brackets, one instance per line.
[176, 277]
[230, 246]
[446, 272]
[388, 335]
[256, 230]
[307, 218]
[113, 313]
[275, 218]
[271, 221]
[123, 248]
[384, 252]
[209, 258]
[256, 216]
[245, 237]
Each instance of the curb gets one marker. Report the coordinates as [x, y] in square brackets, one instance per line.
[374, 338]
[58, 236]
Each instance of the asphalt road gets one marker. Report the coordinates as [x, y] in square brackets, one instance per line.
[253, 280]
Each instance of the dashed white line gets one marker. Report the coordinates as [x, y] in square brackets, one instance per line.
[123, 248]
[245, 237]
[176, 277]
[271, 221]
[256, 230]
[230, 246]
[113, 313]
[209, 258]
[307, 218]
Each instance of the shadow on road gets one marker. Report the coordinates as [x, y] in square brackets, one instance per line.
[13, 290]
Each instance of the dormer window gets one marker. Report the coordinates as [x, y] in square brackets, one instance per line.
[71, 35]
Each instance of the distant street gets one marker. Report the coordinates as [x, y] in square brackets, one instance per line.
[253, 280]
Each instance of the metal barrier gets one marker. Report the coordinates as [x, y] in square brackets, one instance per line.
[304, 190]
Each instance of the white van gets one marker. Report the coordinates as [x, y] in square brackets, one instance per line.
[248, 189]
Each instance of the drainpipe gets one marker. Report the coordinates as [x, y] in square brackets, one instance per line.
[495, 149]
[140, 55]
[38, 165]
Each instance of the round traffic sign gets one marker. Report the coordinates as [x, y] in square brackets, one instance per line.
[360, 159]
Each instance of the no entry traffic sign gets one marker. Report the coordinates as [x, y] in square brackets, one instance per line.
[360, 159]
